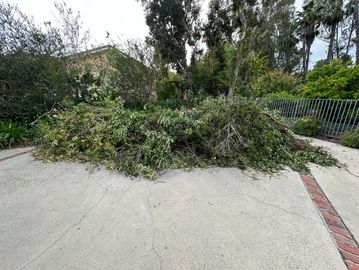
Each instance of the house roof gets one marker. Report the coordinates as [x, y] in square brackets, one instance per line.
[94, 50]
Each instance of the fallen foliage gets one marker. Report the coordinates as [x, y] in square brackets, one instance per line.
[217, 132]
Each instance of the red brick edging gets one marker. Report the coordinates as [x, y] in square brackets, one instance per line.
[346, 244]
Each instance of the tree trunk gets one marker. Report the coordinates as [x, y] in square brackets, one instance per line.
[243, 36]
[331, 42]
[350, 37]
[235, 77]
[307, 55]
[337, 49]
[304, 51]
[356, 23]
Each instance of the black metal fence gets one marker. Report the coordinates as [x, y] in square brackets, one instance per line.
[336, 115]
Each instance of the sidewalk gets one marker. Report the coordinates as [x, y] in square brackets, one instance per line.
[341, 185]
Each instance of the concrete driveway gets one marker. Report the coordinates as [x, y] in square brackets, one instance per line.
[72, 216]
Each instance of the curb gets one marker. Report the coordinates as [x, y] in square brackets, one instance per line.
[16, 155]
[346, 244]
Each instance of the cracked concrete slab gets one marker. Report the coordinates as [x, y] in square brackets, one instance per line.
[71, 216]
[341, 185]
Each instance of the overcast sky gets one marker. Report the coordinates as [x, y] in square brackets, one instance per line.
[121, 18]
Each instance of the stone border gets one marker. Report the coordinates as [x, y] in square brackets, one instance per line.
[343, 238]
[16, 155]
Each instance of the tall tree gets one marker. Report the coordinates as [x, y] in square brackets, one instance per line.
[308, 30]
[344, 37]
[347, 30]
[330, 13]
[285, 40]
[275, 37]
[265, 36]
[356, 26]
[268, 30]
[217, 35]
[244, 20]
[218, 28]
[73, 35]
[19, 33]
[173, 24]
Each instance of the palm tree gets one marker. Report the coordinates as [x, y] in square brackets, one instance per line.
[308, 30]
[330, 13]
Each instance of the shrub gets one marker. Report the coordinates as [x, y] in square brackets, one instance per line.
[34, 69]
[132, 79]
[351, 139]
[169, 88]
[281, 95]
[210, 74]
[274, 82]
[31, 85]
[307, 126]
[11, 133]
[336, 80]
[215, 132]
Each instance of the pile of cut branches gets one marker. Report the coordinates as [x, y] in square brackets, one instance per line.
[216, 132]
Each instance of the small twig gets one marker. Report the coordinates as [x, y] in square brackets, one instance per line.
[285, 128]
[43, 115]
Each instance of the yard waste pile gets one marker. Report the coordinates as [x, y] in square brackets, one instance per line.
[143, 142]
